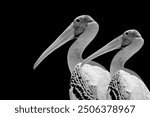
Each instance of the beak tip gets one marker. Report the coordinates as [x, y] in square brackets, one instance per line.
[34, 66]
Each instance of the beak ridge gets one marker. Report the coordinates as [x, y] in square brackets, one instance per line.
[66, 36]
[114, 44]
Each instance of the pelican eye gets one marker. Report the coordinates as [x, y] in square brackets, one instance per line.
[128, 37]
[80, 24]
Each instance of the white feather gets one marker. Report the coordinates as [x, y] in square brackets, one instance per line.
[97, 77]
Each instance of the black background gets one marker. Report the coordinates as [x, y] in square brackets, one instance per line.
[31, 27]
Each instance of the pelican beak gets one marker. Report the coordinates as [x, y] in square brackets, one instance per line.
[117, 43]
[114, 44]
[66, 36]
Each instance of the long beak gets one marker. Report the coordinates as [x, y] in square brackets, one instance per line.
[66, 36]
[114, 44]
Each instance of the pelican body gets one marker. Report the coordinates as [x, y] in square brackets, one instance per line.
[90, 80]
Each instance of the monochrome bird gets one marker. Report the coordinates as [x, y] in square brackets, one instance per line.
[90, 80]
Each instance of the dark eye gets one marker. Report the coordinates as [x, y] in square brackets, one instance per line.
[126, 33]
[80, 24]
[128, 37]
[132, 34]
[83, 19]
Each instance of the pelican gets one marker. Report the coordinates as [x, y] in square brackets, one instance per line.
[90, 80]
